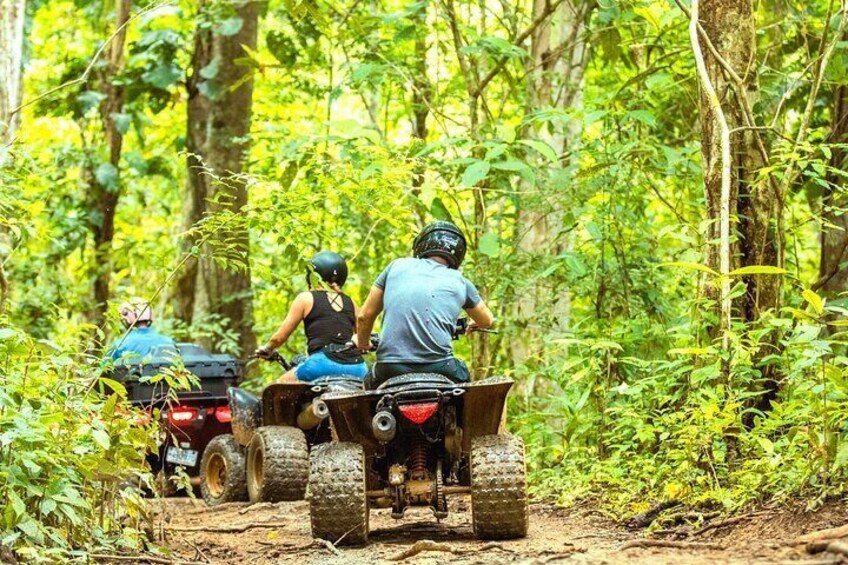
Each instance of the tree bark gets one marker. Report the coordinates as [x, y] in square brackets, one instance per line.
[12, 16]
[103, 195]
[421, 93]
[731, 27]
[833, 277]
[219, 115]
[754, 208]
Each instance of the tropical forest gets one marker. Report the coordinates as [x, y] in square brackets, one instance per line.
[652, 202]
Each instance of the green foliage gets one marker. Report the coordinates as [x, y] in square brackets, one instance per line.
[586, 222]
[68, 452]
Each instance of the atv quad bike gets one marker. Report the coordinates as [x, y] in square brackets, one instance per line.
[268, 458]
[413, 441]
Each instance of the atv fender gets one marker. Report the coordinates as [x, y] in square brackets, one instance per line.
[483, 406]
[282, 402]
[246, 411]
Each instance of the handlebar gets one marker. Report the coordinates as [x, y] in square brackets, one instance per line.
[274, 356]
[462, 326]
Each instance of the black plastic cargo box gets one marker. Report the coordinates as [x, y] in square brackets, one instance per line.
[216, 373]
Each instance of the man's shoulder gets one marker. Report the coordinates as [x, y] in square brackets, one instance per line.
[401, 265]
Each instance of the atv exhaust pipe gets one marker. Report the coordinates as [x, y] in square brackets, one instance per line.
[314, 413]
[384, 426]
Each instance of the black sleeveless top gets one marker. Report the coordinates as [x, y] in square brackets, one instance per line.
[323, 325]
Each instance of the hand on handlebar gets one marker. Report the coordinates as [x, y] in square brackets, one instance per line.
[264, 352]
[371, 346]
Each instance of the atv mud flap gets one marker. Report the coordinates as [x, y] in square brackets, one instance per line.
[282, 402]
[246, 413]
[483, 405]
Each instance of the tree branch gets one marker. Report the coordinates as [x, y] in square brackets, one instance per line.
[551, 8]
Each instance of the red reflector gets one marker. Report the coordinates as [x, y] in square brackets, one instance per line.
[419, 413]
[223, 414]
[182, 415]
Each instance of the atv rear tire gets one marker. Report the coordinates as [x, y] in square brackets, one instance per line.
[277, 464]
[338, 503]
[222, 471]
[498, 487]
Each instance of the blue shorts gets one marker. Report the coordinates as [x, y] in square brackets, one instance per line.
[319, 365]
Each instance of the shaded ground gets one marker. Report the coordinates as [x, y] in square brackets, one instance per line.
[577, 535]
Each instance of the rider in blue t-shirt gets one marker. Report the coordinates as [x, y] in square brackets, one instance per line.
[141, 340]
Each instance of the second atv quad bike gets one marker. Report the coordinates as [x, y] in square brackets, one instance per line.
[413, 441]
[267, 457]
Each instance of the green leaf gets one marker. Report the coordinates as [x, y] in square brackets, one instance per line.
[230, 26]
[162, 76]
[107, 176]
[643, 116]
[211, 70]
[696, 351]
[542, 148]
[757, 270]
[490, 244]
[210, 90]
[439, 211]
[101, 438]
[516, 166]
[89, 100]
[690, 265]
[475, 173]
[814, 299]
[122, 122]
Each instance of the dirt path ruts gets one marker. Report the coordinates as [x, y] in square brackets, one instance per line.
[577, 535]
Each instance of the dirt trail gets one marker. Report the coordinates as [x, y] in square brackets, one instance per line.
[577, 535]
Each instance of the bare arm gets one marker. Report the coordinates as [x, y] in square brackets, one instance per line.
[481, 316]
[299, 309]
[367, 316]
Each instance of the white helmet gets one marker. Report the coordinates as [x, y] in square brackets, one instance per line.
[136, 311]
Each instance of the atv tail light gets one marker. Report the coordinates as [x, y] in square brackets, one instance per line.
[223, 414]
[419, 413]
[182, 415]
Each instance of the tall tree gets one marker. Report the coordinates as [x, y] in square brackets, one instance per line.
[220, 96]
[833, 276]
[103, 175]
[731, 29]
[12, 16]
[732, 155]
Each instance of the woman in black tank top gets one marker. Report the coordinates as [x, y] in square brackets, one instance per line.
[329, 321]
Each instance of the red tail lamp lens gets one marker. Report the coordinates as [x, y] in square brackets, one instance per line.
[419, 413]
[223, 414]
[182, 415]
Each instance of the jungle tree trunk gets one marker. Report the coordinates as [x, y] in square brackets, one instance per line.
[104, 185]
[731, 27]
[833, 277]
[12, 16]
[421, 93]
[219, 114]
[557, 64]
[754, 208]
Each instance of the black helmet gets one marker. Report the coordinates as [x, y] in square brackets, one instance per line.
[331, 267]
[441, 239]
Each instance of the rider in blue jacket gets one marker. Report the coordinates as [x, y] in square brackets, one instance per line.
[141, 340]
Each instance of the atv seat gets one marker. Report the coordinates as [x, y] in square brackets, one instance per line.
[417, 380]
[335, 382]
